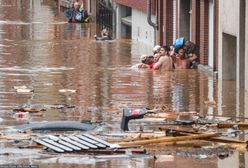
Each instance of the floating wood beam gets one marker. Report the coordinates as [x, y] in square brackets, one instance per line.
[170, 139]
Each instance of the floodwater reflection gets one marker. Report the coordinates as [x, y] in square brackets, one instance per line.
[45, 53]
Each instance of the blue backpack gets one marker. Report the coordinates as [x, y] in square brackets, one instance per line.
[178, 43]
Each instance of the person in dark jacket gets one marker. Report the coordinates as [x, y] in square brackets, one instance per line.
[76, 14]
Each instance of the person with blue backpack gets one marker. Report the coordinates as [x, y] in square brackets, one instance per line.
[178, 43]
[188, 49]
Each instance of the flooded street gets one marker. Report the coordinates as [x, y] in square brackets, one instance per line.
[62, 64]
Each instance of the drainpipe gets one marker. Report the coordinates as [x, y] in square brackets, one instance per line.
[114, 20]
[149, 19]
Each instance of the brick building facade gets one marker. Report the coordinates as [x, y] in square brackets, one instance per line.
[137, 4]
[196, 20]
[218, 27]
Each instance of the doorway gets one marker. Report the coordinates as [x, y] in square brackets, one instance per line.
[229, 57]
[185, 18]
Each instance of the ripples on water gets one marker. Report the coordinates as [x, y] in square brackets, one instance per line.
[42, 51]
[39, 48]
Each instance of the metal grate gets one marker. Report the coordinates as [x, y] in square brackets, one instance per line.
[72, 143]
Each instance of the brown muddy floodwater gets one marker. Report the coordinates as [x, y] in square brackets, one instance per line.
[40, 50]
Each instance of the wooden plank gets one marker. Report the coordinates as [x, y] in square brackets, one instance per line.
[138, 136]
[189, 143]
[230, 125]
[83, 142]
[91, 141]
[183, 131]
[57, 145]
[216, 139]
[49, 146]
[97, 139]
[170, 139]
[226, 140]
[75, 143]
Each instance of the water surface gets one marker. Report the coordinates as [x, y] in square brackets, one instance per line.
[42, 51]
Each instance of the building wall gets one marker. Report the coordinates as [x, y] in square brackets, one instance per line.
[246, 66]
[211, 34]
[241, 51]
[229, 16]
[232, 60]
[204, 32]
[141, 30]
[160, 18]
[168, 23]
[165, 22]
[228, 24]
[216, 34]
[92, 6]
[195, 32]
[137, 4]
[120, 12]
[184, 19]
[246, 52]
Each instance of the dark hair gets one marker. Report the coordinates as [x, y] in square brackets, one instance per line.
[166, 48]
[179, 49]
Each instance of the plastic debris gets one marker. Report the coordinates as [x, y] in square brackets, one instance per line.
[67, 91]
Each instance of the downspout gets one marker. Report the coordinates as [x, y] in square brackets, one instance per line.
[114, 20]
[149, 19]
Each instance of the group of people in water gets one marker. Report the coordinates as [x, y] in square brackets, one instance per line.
[168, 58]
[164, 58]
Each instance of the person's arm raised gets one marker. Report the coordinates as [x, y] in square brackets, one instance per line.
[142, 65]
[194, 57]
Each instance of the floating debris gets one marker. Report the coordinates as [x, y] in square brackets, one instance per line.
[210, 103]
[164, 158]
[20, 87]
[165, 139]
[48, 84]
[58, 126]
[28, 109]
[73, 142]
[202, 153]
[62, 106]
[67, 91]
[23, 89]
[22, 116]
